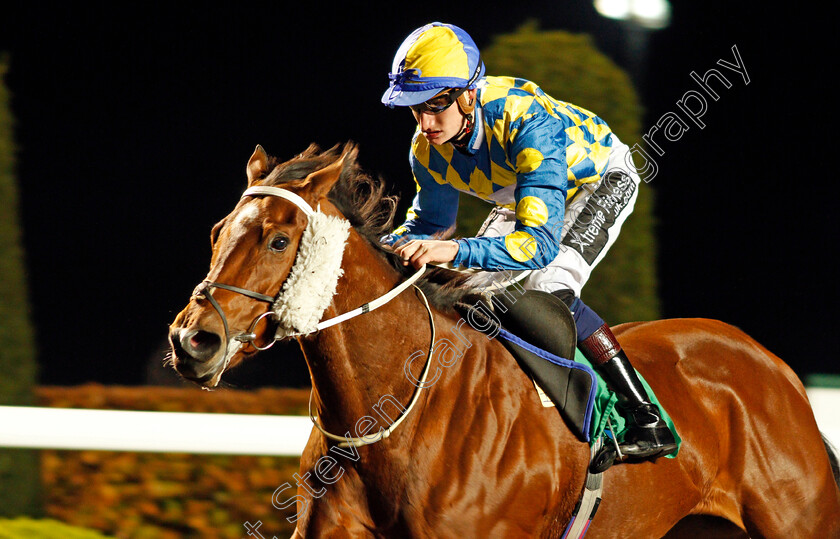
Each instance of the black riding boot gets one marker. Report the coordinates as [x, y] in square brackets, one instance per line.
[648, 436]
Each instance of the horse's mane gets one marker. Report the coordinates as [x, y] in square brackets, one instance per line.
[363, 201]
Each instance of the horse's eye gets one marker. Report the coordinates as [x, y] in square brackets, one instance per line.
[279, 243]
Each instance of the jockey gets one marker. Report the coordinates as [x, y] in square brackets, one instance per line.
[561, 181]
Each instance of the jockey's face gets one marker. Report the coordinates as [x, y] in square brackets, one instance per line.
[441, 127]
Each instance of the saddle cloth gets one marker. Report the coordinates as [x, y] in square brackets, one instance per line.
[539, 331]
[578, 392]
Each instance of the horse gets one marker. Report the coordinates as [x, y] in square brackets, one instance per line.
[426, 426]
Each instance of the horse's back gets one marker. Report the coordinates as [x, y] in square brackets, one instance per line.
[752, 452]
[707, 363]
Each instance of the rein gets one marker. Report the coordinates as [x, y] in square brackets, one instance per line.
[346, 441]
[233, 344]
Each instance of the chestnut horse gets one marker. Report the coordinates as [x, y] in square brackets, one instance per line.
[458, 442]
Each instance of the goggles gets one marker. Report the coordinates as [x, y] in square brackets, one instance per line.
[439, 103]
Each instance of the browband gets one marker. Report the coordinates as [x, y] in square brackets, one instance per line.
[282, 193]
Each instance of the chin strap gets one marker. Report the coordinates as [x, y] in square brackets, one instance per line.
[463, 137]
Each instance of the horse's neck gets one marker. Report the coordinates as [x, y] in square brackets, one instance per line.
[357, 363]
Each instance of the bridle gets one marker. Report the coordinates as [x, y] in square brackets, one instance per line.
[233, 343]
[204, 289]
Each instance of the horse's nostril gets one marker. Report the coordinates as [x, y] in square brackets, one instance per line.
[200, 344]
[197, 340]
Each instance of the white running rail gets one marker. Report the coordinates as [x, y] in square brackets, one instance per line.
[232, 434]
[160, 432]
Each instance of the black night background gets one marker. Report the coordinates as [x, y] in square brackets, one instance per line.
[134, 125]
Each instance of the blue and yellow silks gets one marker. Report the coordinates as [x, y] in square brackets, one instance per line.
[529, 153]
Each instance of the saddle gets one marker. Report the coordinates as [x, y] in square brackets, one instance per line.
[539, 331]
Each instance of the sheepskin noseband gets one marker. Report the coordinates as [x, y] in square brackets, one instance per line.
[312, 282]
[311, 285]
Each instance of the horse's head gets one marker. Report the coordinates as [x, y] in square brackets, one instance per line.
[274, 268]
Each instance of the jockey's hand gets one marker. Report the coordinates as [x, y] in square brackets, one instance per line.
[419, 252]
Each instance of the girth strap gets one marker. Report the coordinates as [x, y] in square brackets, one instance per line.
[589, 501]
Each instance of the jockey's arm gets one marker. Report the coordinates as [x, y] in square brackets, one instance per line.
[538, 151]
[433, 211]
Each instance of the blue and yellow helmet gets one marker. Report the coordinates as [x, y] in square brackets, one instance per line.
[432, 58]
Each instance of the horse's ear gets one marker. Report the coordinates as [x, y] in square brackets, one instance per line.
[257, 165]
[321, 181]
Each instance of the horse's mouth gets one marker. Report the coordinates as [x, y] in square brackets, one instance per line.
[188, 371]
[203, 374]
[205, 371]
